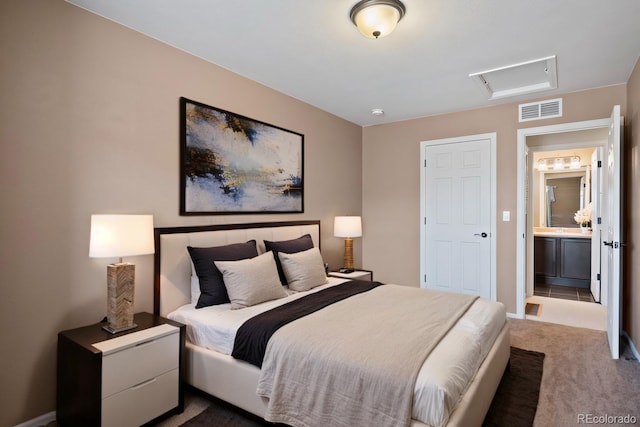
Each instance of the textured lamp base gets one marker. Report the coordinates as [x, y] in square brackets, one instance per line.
[348, 254]
[120, 292]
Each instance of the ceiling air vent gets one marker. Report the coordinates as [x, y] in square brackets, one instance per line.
[519, 79]
[540, 110]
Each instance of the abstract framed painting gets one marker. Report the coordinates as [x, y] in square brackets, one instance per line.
[231, 164]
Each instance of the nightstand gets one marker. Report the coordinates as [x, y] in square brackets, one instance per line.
[355, 275]
[126, 379]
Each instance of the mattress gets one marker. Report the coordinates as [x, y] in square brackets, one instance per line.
[441, 381]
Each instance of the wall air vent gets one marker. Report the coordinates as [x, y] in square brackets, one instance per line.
[540, 110]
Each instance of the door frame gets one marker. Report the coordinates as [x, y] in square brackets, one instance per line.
[523, 231]
[596, 254]
[492, 137]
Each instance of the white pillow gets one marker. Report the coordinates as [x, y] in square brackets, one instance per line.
[303, 270]
[195, 288]
[251, 281]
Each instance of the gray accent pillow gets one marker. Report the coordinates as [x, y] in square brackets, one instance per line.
[251, 281]
[303, 270]
[292, 246]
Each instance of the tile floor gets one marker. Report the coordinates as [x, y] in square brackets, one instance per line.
[563, 292]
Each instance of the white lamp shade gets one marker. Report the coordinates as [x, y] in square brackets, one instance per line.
[347, 226]
[121, 235]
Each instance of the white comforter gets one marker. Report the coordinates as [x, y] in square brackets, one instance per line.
[442, 379]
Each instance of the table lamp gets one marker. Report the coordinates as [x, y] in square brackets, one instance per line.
[117, 236]
[347, 227]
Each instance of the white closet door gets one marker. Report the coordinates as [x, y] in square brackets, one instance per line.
[457, 205]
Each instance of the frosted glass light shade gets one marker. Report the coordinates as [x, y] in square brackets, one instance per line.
[121, 235]
[347, 226]
[377, 18]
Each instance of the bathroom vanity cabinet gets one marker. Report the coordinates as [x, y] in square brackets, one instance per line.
[564, 261]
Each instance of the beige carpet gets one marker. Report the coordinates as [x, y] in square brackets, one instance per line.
[579, 379]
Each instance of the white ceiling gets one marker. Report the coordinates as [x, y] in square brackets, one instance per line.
[310, 50]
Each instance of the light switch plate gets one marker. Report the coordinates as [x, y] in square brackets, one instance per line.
[506, 216]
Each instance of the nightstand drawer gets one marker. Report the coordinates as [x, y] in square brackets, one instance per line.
[139, 362]
[142, 402]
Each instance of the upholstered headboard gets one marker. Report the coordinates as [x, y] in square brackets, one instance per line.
[172, 264]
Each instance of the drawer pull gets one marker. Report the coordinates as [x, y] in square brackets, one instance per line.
[143, 384]
[142, 344]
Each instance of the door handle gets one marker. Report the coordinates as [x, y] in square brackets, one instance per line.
[613, 244]
[483, 234]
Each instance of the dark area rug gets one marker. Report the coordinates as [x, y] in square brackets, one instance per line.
[219, 414]
[516, 399]
[514, 404]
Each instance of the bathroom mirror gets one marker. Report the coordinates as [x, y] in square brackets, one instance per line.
[556, 172]
[565, 194]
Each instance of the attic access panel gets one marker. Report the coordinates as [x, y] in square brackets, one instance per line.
[519, 79]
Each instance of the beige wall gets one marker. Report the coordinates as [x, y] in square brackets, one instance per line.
[391, 182]
[89, 124]
[631, 290]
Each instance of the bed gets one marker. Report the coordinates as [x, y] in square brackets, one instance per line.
[210, 367]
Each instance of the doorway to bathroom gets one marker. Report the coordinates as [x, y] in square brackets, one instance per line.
[565, 191]
[571, 136]
[566, 194]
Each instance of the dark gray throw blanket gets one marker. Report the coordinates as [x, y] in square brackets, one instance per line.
[253, 336]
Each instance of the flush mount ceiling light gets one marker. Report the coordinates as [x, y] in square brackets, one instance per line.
[377, 18]
[518, 79]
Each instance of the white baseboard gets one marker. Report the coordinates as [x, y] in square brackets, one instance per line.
[42, 420]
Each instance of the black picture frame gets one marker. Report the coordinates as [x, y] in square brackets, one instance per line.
[232, 164]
